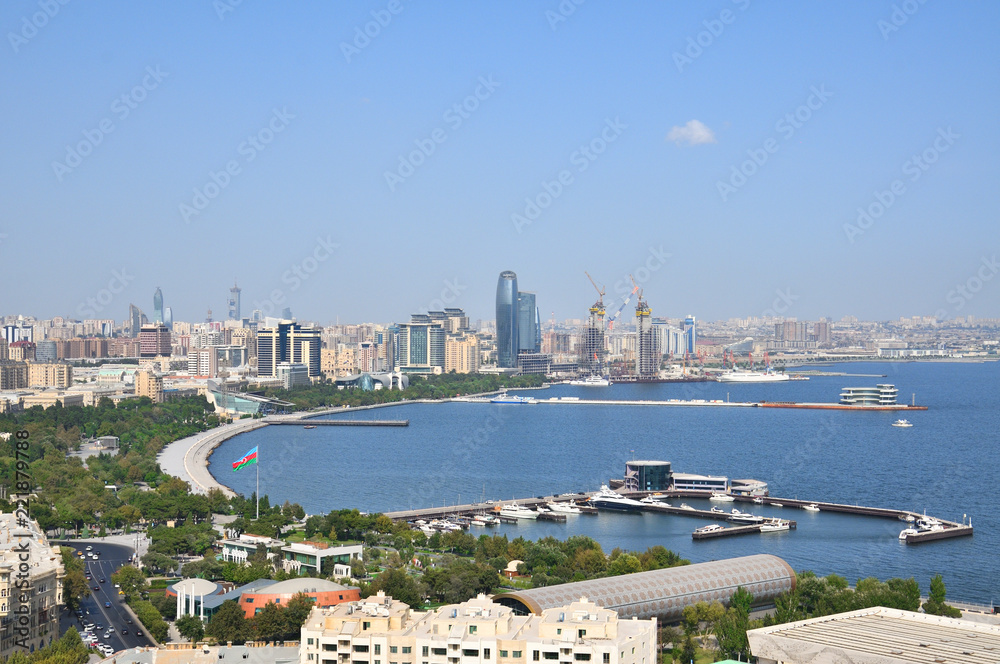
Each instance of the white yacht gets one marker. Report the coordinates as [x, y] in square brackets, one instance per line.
[591, 381]
[610, 500]
[718, 510]
[711, 528]
[774, 525]
[903, 534]
[758, 500]
[503, 397]
[744, 517]
[564, 508]
[685, 506]
[811, 507]
[518, 512]
[776, 505]
[722, 498]
[902, 423]
[742, 376]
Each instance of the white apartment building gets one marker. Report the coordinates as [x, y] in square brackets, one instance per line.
[380, 630]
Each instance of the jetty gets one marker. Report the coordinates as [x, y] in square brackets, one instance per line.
[575, 401]
[312, 421]
[735, 530]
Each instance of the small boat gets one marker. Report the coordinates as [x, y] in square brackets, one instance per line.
[722, 498]
[712, 528]
[564, 508]
[744, 517]
[909, 518]
[776, 505]
[902, 423]
[309, 426]
[649, 500]
[774, 526]
[718, 510]
[758, 501]
[811, 507]
[903, 534]
[685, 506]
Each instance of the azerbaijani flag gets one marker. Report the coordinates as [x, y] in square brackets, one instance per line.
[248, 458]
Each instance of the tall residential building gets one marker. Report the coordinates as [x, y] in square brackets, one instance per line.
[647, 346]
[528, 337]
[29, 614]
[44, 374]
[462, 354]
[18, 332]
[478, 631]
[234, 302]
[288, 342]
[203, 361]
[13, 375]
[158, 306]
[821, 331]
[690, 335]
[507, 325]
[154, 341]
[136, 319]
[149, 384]
[21, 351]
[45, 351]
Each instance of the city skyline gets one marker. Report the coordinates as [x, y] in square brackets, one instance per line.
[736, 158]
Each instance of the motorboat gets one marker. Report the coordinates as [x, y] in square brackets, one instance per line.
[903, 534]
[564, 508]
[309, 426]
[743, 517]
[685, 506]
[594, 380]
[811, 507]
[776, 504]
[774, 526]
[758, 500]
[610, 500]
[909, 518]
[743, 376]
[718, 510]
[722, 498]
[649, 500]
[711, 528]
[505, 398]
[902, 423]
[516, 511]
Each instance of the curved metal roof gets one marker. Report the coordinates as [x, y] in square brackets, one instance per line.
[664, 593]
[300, 585]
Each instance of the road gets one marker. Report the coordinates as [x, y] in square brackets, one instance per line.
[112, 556]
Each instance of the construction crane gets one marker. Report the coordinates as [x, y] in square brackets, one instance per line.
[598, 307]
[635, 288]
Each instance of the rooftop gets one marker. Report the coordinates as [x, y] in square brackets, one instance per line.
[886, 636]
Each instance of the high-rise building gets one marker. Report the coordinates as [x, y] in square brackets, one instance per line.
[821, 331]
[507, 326]
[154, 341]
[149, 384]
[421, 347]
[19, 332]
[690, 335]
[647, 347]
[288, 342]
[234, 302]
[462, 354]
[528, 337]
[45, 374]
[21, 351]
[45, 351]
[136, 319]
[592, 347]
[158, 306]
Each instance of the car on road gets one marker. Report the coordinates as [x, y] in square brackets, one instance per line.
[107, 605]
[102, 580]
[124, 630]
[128, 620]
[97, 588]
[138, 632]
[99, 626]
[90, 548]
[111, 630]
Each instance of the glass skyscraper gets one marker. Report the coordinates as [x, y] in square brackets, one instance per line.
[507, 328]
[158, 306]
[527, 323]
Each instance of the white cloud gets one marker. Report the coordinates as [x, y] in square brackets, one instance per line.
[693, 133]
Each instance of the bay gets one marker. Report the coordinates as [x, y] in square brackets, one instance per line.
[456, 453]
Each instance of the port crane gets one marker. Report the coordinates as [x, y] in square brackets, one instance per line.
[598, 307]
[635, 288]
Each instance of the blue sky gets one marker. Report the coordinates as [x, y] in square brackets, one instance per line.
[313, 122]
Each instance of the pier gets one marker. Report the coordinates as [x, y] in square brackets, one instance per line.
[735, 530]
[575, 401]
[307, 421]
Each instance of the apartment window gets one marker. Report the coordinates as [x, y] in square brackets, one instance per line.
[516, 654]
[310, 640]
[425, 651]
[551, 655]
[486, 653]
[633, 650]
[310, 657]
[580, 633]
[535, 656]
[607, 658]
[439, 651]
[393, 649]
[468, 652]
[582, 656]
[330, 647]
[472, 629]
[408, 649]
[503, 653]
[378, 649]
[366, 625]
[360, 648]
[559, 630]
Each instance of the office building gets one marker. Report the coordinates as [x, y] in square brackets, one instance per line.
[136, 319]
[18, 332]
[292, 374]
[690, 336]
[647, 476]
[288, 342]
[234, 302]
[592, 344]
[158, 313]
[149, 384]
[528, 337]
[478, 631]
[203, 362]
[154, 341]
[29, 616]
[319, 558]
[508, 344]
[421, 346]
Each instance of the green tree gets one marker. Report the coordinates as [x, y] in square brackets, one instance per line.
[151, 619]
[731, 628]
[191, 628]
[396, 583]
[131, 580]
[269, 623]
[229, 624]
[159, 562]
[625, 563]
[296, 613]
[935, 604]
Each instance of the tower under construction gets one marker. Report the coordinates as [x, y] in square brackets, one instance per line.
[592, 344]
[647, 347]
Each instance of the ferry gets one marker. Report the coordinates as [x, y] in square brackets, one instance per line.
[505, 398]
[610, 500]
[742, 376]
[592, 381]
